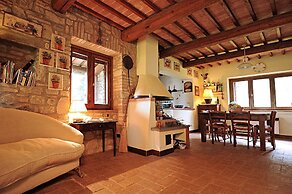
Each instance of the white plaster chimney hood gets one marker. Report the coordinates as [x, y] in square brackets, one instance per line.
[149, 84]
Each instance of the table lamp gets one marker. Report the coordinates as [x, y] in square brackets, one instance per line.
[207, 95]
[76, 108]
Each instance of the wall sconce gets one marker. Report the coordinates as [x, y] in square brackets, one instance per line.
[207, 95]
[76, 108]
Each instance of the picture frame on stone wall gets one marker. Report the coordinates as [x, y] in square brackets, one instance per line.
[63, 61]
[22, 25]
[55, 81]
[46, 58]
[58, 43]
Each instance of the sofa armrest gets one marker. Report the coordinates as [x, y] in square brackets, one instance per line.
[17, 125]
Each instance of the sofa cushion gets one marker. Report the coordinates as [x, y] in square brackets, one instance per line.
[24, 158]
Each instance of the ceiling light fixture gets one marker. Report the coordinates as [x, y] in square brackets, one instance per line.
[245, 64]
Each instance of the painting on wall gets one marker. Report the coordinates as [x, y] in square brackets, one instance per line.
[46, 57]
[188, 86]
[57, 42]
[167, 63]
[22, 25]
[55, 81]
[63, 61]
[176, 66]
[189, 71]
[197, 91]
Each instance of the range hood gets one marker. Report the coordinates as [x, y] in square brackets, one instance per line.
[149, 84]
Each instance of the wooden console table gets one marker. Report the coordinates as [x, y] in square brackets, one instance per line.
[98, 125]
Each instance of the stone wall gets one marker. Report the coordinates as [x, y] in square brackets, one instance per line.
[76, 24]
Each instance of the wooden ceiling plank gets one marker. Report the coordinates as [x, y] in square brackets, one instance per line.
[230, 13]
[115, 12]
[150, 4]
[263, 37]
[210, 50]
[133, 9]
[247, 40]
[97, 15]
[171, 2]
[251, 10]
[255, 27]
[222, 48]
[185, 30]
[201, 53]
[273, 7]
[279, 35]
[168, 15]
[162, 39]
[213, 19]
[62, 5]
[250, 51]
[198, 25]
[234, 44]
[193, 56]
[172, 34]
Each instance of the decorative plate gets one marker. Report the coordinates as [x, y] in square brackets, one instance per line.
[259, 67]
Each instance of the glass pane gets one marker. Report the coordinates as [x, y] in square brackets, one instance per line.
[261, 93]
[241, 93]
[283, 91]
[100, 82]
[79, 78]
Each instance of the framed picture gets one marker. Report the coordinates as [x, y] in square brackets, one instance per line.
[57, 42]
[176, 66]
[167, 63]
[55, 81]
[189, 71]
[46, 57]
[22, 25]
[197, 91]
[63, 61]
[188, 86]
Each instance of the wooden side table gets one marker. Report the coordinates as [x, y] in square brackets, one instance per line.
[98, 125]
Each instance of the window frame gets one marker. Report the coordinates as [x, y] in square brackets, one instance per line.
[250, 79]
[91, 56]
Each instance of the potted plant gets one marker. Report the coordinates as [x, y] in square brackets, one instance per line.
[46, 57]
[63, 62]
[55, 81]
[58, 43]
[234, 107]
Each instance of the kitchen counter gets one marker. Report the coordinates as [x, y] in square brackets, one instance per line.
[179, 109]
[170, 128]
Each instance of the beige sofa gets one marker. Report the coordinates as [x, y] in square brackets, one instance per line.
[35, 148]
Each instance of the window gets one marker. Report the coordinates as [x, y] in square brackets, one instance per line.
[263, 92]
[91, 78]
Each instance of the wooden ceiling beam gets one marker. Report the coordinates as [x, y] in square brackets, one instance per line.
[198, 25]
[166, 16]
[234, 44]
[162, 39]
[279, 35]
[251, 10]
[250, 51]
[222, 48]
[247, 40]
[133, 9]
[150, 4]
[230, 13]
[263, 37]
[115, 12]
[185, 30]
[213, 20]
[97, 15]
[273, 7]
[172, 34]
[255, 27]
[62, 5]
[171, 2]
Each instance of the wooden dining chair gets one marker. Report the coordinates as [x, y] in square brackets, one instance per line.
[218, 125]
[269, 129]
[241, 126]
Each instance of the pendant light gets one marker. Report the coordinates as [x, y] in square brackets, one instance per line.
[245, 64]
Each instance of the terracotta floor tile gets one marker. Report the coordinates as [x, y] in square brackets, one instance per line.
[204, 168]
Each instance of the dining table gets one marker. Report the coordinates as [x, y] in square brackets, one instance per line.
[260, 117]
